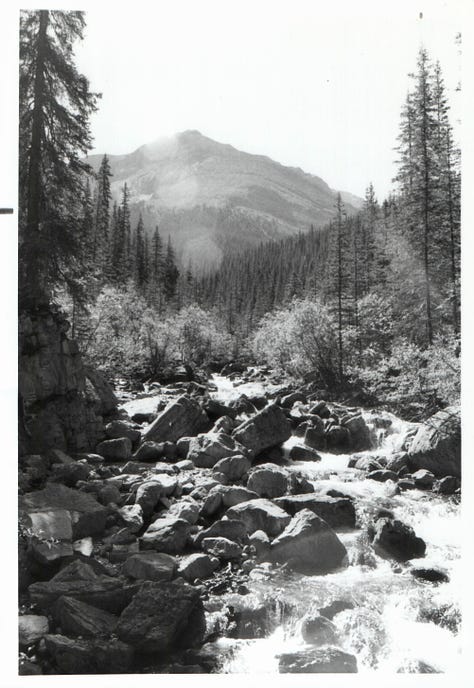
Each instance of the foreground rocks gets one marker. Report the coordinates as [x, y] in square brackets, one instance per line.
[181, 418]
[325, 660]
[265, 429]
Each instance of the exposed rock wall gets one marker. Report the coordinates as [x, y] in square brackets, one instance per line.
[61, 403]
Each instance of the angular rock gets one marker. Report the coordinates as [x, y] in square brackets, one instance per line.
[234, 530]
[308, 545]
[338, 438]
[80, 581]
[447, 485]
[215, 409]
[437, 444]
[261, 542]
[49, 552]
[206, 450]
[118, 429]
[181, 418]
[298, 453]
[397, 461]
[265, 429]
[324, 660]
[268, 480]
[73, 656]
[168, 535]
[423, 479]
[187, 509]
[359, 433]
[70, 474]
[337, 512]
[289, 399]
[318, 630]
[314, 435]
[149, 451]
[162, 617]
[382, 476]
[152, 566]
[77, 618]
[88, 517]
[260, 514]
[197, 566]
[395, 540]
[233, 467]
[236, 495]
[132, 516]
[222, 548]
[31, 628]
[115, 450]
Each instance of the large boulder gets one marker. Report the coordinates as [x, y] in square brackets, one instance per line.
[318, 630]
[338, 512]
[197, 566]
[359, 432]
[267, 428]
[162, 617]
[115, 450]
[233, 467]
[31, 628]
[62, 513]
[206, 450]
[268, 480]
[168, 535]
[323, 660]
[122, 428]
[234, 530]
[308, 545]
[95, 656]
[437, 444]
[151, 566]
[77, 618]
[260, 514]
[80, 581]
[222, 548]
[395, 540]
[181, 418]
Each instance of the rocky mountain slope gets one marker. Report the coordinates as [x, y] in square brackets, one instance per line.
[212, 198]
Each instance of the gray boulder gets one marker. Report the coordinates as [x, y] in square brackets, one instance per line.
[31, 628]
[260, 514]
[268, 480]
[162, 617]
[337, 512]
[395, 540]
[234, 530]
[308, 545]
[267, 428]
[115, 450]
[437, 444]
[206, 450]
[77, 618]
[121, 428]
[181, 418]
[323, 660]
[197, 566]
[168, 535]
[222, 548]
[318, 630]
[152, 566]
[95, 656]
[233, 467]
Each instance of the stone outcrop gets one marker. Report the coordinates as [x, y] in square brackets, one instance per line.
[62, 403]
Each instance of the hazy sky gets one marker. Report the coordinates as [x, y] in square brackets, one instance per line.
[311, 84]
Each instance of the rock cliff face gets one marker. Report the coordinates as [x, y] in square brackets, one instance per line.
[61, 403]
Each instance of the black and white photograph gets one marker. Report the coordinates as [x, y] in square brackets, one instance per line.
[236, 307]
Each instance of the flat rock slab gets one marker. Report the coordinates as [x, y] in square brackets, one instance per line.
[181, 418]
[337, 512]
[77, 618]
[308, 545]
[260, 514]
[163, 616]
[79, 581]
[324, 660]
[88, 517]
[168, 535]
[152, 566]
[267, 428]
[73, 656]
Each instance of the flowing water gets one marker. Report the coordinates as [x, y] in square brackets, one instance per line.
[398, 622]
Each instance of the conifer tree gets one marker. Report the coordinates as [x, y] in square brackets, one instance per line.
[55, 106]
[102, 216]
[170, 273]
[140, 257]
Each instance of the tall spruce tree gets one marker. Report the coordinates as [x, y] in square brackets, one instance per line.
[170, 273]
[102, 217]
[55, 106]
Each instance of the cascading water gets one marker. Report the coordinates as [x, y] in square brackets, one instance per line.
[395, 622]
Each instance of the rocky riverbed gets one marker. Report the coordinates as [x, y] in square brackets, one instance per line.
[243, 526]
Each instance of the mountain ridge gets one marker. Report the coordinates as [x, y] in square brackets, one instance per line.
[212, 198]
